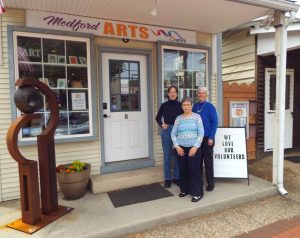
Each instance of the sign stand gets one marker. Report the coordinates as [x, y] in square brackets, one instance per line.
[230, 153]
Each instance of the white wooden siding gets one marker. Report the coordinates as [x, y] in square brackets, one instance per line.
[238, 57]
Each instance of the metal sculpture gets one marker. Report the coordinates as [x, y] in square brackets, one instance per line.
[29, 100]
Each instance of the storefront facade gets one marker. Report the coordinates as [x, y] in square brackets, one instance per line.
[110, 77]
[108, 89]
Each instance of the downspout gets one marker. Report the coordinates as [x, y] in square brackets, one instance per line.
[280, 53]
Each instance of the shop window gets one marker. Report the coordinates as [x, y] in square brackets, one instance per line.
[186, 68]
[63, 63]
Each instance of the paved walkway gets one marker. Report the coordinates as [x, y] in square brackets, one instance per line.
[95, 216]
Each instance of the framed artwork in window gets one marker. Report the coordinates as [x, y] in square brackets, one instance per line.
[61, 59]
[73, 60]
[82, 60]
[61, 83]
[52, 58]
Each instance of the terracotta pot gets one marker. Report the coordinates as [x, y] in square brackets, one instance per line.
[74, 185]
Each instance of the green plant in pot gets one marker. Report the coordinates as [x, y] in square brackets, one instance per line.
[73, 179]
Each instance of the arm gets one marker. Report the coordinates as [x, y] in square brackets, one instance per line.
[159, 115]
[214, 123]
[174, 132]
[200, 132]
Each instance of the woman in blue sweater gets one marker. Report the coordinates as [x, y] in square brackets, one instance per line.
[209, 116]
[165, 118]
[187, 136]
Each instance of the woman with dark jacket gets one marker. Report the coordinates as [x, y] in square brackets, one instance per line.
[165, 118]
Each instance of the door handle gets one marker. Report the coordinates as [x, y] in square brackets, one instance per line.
[105, 116]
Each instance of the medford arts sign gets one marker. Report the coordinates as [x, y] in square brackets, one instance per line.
[230, 154]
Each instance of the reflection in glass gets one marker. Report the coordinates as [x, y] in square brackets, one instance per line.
[124, 85]
[185, 69]
[30, 71]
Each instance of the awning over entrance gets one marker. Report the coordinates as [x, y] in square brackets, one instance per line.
[200, 15]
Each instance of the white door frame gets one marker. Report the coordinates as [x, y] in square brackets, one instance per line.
[134, 164]
[289, 144]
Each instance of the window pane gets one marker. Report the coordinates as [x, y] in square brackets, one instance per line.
[77, 77]
[170, 58]
[27, 70]
[76, 52]
[79, 123]
[52, 50]
[272, 99]
[62, 128]
[287, 92]
[29, 49]
[53, 73]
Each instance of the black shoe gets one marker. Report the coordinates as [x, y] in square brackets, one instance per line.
[210, 187]
[181, 195]
[167, 184]
[176, 181]
[197, 198]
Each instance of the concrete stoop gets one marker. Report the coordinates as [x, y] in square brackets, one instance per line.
[114, 181]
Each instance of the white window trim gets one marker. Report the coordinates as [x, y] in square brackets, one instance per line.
[58, 37]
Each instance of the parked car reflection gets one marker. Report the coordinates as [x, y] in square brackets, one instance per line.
[83, 128]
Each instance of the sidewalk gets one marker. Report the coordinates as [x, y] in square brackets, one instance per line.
[95, 216]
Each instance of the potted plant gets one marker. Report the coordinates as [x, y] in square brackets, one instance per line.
[73, 179]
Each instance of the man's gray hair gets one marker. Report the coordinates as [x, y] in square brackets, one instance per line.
[203, 89]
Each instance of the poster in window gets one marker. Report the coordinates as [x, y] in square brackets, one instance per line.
[239, 114]
[78, 101]
[61, 59]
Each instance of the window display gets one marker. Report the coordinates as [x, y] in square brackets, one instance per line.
[62, 63]
[186, 68]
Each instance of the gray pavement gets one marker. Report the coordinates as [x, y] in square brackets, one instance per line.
[236, 220]
[95, 216]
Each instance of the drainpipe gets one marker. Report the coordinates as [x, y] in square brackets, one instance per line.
[278, 143]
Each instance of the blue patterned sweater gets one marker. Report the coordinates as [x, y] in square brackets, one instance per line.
[188, 131]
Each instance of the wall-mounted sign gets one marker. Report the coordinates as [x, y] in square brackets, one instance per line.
[78, 101]
[230, 153]
[109, 28]
[239, 115]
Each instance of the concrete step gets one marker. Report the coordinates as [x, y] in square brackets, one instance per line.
[102, 183]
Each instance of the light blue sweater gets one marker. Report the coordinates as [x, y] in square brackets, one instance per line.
[188, 131]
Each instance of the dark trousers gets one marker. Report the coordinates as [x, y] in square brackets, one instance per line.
[206, 155]
[190, 176]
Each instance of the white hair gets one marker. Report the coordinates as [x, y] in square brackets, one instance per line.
[203, 89]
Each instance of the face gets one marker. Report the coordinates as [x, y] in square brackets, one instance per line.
[202, 96]
[172, 94]
[186, 107]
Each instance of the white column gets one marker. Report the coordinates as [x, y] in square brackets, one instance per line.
[278, 144]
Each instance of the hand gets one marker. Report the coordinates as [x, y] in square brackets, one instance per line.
[192, 151]
[210, 142]
[179, 150]
[164, 126]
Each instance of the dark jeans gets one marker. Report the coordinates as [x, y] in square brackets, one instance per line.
[190, 180]
[206, 155]
[169, 158]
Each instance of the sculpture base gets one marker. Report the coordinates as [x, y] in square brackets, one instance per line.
[45, 220]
